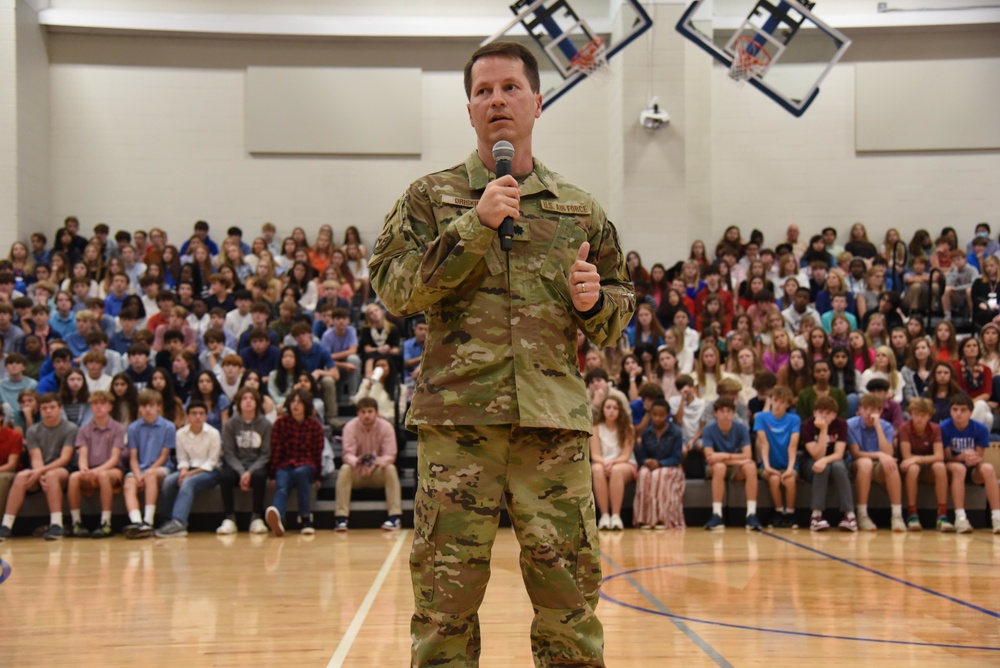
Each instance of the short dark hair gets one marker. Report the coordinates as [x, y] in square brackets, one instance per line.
[123, 235]
[764, 380]
[724, 402]
[511, 50]
[61, 354]
[961, 400]
[138, 349]
[201, 226]
[49, 398]
[196, 403]
[829, 229]
[367, 402]
[300, 328]
[257, 334]
[243, 294]
[683, 381]
[662, 403]
[877, 385]
[594, 374]
[173, 335]
[650, 391]
[234, 232]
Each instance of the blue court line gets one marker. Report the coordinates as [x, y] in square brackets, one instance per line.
[679, 619]
[892, 578]
[675, 620]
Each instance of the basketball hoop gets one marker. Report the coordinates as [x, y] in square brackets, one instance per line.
[590, 58]
[749, 59]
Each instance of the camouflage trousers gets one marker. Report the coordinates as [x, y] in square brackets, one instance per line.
[544, 476]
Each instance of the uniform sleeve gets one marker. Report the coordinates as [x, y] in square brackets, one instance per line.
[606, 322]
[415, 264]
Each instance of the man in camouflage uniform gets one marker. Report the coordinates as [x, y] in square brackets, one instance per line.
[500, 408]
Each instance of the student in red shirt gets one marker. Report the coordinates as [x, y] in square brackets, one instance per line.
[921, 457]
[11, 446]
[296, 460]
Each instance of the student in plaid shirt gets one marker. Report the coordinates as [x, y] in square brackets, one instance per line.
[296, 459]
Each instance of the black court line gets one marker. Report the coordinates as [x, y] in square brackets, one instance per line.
[893, 578]
[676, 621]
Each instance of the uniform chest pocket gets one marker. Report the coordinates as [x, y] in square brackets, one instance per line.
[566, 242]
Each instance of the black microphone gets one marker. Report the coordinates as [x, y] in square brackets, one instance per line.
[503, 154]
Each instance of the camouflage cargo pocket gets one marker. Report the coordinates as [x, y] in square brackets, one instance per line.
[422, 554]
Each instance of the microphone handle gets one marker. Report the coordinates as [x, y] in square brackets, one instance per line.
[506, 232]
[506, 229]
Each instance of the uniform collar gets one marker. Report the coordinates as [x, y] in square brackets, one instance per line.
[540, 179]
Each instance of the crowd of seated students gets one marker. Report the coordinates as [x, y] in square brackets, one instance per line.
[803, 360]
[132, 366]
[728, 370]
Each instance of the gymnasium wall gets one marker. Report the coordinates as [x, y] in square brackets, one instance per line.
[148, 131]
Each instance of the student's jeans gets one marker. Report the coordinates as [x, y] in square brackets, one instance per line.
[300, 477]
[181, 497]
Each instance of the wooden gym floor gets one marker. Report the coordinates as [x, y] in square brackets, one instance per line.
[782, 598]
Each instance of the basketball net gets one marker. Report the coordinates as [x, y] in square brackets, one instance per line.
[749, 59]
[591, 59]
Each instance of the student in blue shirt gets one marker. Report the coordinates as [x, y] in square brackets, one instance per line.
[870, 442]
[777, 444]
[729, 456]
[319, 363]
[150, 440]
[965, 440]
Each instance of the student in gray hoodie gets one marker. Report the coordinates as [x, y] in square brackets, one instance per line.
[246, 452]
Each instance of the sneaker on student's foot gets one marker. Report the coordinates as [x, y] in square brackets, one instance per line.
[898, 525]
[913, 523]
[963, 526]
[4, 533]
[273, 519]
[753, 523]
[103, 531]
[817, 523]
[848, 524]
[790, 521]
[996, 525]
[257, 526]
[227, 528]
[392, 524]
[617, 524]
[171, 529]
[340, 524]
[944, 525]
[604, 523]
[306, 527]
[78, 531]
[715, 523]
[140, 530]
[55, 532]
[865, 524]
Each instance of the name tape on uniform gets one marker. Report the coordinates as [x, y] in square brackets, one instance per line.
[576, 209]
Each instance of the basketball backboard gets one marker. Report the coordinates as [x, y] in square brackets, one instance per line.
[573, 42]
[780, 46]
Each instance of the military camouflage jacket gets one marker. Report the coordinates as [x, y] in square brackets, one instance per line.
[501, 342]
